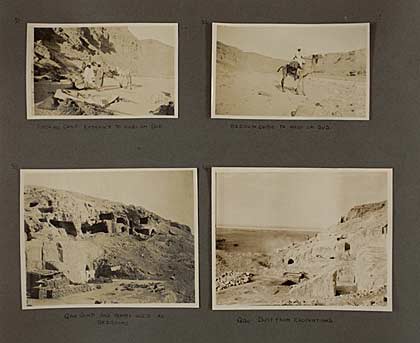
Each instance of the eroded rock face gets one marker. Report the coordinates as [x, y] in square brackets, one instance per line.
[61, 53]
[349, 257]
[60, 213]
[71, 233]
[362, 210]
[319, 287]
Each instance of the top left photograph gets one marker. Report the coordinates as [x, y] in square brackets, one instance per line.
[102, 71]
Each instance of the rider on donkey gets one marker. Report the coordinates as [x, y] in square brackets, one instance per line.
[296, 64]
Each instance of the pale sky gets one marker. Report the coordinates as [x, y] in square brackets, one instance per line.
[298, 199]
[170, 194]
[164, 33]
[280, 41]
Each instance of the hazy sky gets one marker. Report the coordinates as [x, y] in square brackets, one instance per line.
[282, 42]
[165, 33]
[294, 199]
[168, 193]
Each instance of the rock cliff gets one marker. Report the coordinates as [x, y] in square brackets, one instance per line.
[86, 238]
[60, 53]
[350, 258]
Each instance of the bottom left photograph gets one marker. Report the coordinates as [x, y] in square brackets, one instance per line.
[109, 238]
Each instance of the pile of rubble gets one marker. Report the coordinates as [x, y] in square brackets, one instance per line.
[154, 287]
[231, 279]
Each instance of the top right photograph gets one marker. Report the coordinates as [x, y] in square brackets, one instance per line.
[290, 71]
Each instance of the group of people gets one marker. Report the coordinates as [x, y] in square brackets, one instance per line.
[93, 75]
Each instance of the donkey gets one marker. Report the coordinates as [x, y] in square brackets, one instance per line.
[298, 73]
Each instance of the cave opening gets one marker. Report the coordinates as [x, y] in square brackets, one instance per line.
[98, 227]
[290, 261]
[106, 216]
[66, 225]
[346, 246]
[121, 220]
[288, 283]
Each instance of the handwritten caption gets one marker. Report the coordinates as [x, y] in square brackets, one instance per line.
[59, 127]
[273, 127]
[279, 320]
[104, 319]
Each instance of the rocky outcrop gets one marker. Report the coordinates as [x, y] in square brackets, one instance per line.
[362, 210]
[348, 258]
[73, 234]
[62, 213]
[61, 53]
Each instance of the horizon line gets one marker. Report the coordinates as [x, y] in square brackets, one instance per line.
[273, 228]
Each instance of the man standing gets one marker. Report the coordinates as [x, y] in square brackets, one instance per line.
[89, 77]
[100, 74]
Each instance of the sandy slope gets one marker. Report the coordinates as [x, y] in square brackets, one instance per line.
[247, 84]
[254, 93]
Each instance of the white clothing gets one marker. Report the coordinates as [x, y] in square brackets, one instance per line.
[299, 59]
[89, 75]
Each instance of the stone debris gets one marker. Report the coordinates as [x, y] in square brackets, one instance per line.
[231, 279]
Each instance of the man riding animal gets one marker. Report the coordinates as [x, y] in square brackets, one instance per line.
[295, 68]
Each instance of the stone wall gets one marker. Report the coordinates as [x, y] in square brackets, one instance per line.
[74, 258]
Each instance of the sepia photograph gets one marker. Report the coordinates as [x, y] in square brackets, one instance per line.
[302, 239]
[290, 71]
[109, 238]
[96, 71]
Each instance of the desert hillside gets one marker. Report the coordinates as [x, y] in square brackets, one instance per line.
[349, 63]
[82, 240]
[232, 58]
[59, 52]
[247, 84]
[344, 265]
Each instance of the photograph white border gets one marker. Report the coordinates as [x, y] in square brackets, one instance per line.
[215, 306]
[195, 304]
[213, 113]
[30, 101]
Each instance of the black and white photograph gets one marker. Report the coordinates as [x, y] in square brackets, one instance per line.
[302, 239]
[109, 238]
[96, 71]
[290, 71]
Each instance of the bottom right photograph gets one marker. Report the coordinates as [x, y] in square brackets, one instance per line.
[302, 239]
